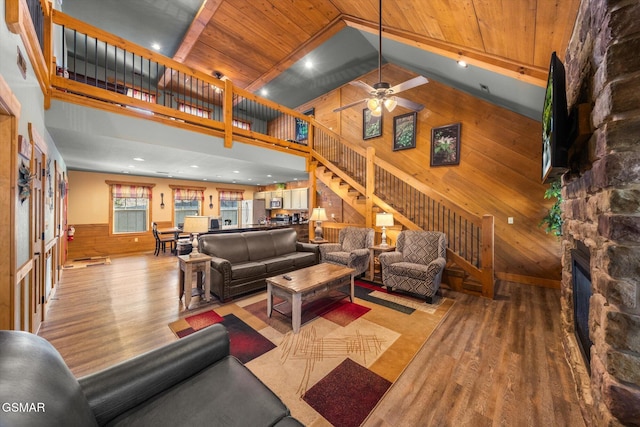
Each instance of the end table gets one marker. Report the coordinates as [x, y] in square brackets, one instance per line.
[188, 265]
[374, 251]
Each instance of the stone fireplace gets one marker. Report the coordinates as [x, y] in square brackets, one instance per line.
[601, 210]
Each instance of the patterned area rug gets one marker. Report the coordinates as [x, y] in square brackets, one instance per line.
[345, 357]
[87, 262]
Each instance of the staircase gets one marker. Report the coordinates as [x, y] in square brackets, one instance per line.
[357, 176]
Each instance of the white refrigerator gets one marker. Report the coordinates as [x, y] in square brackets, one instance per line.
[252, 212]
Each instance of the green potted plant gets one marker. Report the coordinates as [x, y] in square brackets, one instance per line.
[552, 221]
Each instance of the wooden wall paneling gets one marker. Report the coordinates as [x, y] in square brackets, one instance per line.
[498, 172]
[92, 240]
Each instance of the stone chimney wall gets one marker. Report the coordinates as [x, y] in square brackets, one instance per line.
[601, 208]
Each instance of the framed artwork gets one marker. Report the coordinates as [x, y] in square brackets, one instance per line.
[371, 125]
[302, 127]
[404, 131]
[445, 145]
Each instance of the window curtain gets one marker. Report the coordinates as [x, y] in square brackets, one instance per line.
[230, 195]
[131, 191]
[188, 194]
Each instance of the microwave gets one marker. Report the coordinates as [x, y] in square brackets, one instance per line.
[276, 203]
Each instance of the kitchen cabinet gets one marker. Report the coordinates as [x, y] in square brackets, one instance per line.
[300, 198]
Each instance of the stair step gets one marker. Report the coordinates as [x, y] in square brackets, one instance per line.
[471, 284]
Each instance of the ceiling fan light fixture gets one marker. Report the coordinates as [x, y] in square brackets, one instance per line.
[390, 103]
[373, 104]
[377, 112]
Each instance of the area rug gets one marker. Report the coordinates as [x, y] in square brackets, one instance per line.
[345, 357]
[86, 262]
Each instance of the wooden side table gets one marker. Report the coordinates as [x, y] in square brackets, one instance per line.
[188, 265]
[374, 251]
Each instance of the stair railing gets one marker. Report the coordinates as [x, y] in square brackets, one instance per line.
[414, 204]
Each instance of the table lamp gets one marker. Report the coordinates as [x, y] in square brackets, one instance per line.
[194, 225]
[318, 215]
[383, 220]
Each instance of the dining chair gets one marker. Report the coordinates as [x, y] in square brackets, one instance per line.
[162, 240]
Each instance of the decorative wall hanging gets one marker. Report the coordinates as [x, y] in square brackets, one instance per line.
[404, 131]
[210, 201]
[371, 125]
[24, 181]
[24, 147]
[161, 200]
[445, 145]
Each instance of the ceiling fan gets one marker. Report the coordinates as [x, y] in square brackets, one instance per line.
[382, 93]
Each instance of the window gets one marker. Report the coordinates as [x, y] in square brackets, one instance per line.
[241, 124]
[200, 112]
[186, 201]
[130, 207]
[229, 204]
[142, 96]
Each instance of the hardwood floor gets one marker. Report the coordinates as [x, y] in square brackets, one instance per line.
[496, 362]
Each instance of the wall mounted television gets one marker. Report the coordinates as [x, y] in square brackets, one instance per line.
[555, 124]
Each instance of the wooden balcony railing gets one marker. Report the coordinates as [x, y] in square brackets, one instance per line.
[105, 71]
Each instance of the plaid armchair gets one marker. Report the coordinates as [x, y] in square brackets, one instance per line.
[417, 263]
[351, 251]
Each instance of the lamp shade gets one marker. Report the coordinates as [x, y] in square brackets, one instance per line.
[318, 214]
[384, 219]
[196, 224]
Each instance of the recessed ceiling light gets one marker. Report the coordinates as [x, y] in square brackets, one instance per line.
[155, 46]
[249, 179]
[204, 179]
[195, 166]
[131, 167]
[269, 176]
[264, 92]
[308, 64]
[138, 159]
[236, 171]
[462, 64]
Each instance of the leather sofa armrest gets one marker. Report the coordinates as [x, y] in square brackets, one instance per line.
[307, 247]
[121, 387]
[222, 265]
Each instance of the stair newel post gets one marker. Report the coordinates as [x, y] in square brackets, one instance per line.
[227, 109]
[313, 191]
[488, 256]
[369, 186]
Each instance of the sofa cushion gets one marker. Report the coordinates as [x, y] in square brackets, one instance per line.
[354, 238]
[420, 247]
[260, 245]
[408, 269]
[277, 263]
[303, 259]
[246, 270]
[226, 394]
[231, 246]
[284, 240]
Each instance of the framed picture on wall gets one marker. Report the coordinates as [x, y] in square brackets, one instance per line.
[371, 125]
[24, 147]
[445, 145]
[404, 131]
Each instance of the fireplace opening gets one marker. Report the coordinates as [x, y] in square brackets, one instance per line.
[581, 294]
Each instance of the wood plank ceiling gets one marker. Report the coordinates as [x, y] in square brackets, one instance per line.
[251, 42]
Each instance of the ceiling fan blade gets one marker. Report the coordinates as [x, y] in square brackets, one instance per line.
[363, 85]
[409, 84]
[353, 104]
[409, 104]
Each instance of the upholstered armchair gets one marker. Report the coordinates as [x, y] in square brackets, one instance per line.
[417, 264]
[351, 251]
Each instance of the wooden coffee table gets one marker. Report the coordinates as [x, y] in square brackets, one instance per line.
[305, 285]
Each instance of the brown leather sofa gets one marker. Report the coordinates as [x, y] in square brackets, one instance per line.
[191, 382]
[241, 262]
